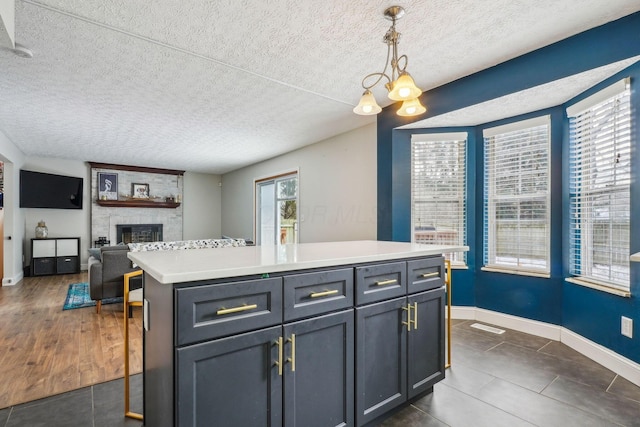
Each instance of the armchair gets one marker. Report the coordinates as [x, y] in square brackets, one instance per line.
[106, 275]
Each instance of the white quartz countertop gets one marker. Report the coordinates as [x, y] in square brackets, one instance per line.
[174, 266]
[635, 257]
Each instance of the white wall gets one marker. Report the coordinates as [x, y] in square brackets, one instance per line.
[60, 222]
[337, 184]
[13, 216]
[202, 212]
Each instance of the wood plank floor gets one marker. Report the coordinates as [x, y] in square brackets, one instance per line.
[46, 351]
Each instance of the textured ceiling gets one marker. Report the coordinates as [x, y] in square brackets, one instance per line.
[212, 86]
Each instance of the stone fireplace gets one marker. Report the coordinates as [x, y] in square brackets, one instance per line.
[137, 233]
[129, 220]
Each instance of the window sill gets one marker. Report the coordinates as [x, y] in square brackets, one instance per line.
[516, 272]
[598, 287]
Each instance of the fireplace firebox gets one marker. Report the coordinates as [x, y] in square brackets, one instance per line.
[137, 233]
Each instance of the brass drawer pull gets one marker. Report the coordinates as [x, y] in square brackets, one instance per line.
[386, 282]
[415, 315]
[408, 322]
[280, 343]
[236, 309]
[434, 274]
[292, 359]
[323, 294]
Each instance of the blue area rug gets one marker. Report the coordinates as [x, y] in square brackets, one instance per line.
[78, 297]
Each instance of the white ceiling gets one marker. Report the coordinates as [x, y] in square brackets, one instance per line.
[211, 86]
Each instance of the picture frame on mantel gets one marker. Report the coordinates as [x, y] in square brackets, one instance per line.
[107, 186]
[139, 191]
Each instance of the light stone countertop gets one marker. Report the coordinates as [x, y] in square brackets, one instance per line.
[189, 265]
[635, 257]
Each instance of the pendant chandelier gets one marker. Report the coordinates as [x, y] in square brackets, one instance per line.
[400, 85]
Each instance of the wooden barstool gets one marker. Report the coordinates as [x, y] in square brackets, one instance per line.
[131, 299]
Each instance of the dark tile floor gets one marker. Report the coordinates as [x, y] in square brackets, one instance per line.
[512, 379]
[516, 379]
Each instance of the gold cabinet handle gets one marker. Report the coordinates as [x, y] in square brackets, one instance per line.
[386, 282]
[408, 322]
[323, 294]
[415, 315]
[236, 309]
[434, 274]
[292, 359]
[278, 362]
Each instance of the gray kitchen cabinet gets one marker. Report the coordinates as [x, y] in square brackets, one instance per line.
[230, 381]
[318, 390]
[400, 341]
[307, 348]
[310, 357]
[425, 343]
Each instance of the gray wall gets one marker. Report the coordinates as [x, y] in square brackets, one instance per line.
[202, 212]
[337, 189]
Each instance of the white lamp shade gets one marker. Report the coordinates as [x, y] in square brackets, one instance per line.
[367, 105]
[411, 107]
[404, 88]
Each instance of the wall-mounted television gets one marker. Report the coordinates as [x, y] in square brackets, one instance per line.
[49, 191]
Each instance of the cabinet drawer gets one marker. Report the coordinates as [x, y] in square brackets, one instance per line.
[213, 311]
[67, 264]
[425, 274]
[380, 281]
[44, 266]
[319, 292]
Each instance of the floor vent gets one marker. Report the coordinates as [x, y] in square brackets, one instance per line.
[487, 328]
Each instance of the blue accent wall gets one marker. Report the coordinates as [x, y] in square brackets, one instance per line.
[590, 313]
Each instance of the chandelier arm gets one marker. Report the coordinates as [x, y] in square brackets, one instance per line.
[380, 75]
[406, 62]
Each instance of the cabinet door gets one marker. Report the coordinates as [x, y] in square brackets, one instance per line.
[319, 392]
[426, 341]
[230, 382]
[381, 359]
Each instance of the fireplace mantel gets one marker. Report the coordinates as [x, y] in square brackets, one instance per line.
[136, 204]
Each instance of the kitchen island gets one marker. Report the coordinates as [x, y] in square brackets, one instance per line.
[316, 334]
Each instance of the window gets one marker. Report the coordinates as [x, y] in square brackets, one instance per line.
[277, 209]
[438, 171]
[517, 197]
[599, 179]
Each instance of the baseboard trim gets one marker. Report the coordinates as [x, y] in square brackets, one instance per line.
[12, 281]
[622, 366]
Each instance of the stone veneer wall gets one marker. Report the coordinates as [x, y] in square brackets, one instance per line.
[104, 219]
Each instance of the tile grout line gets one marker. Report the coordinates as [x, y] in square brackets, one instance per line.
[93, 409]
[8, 417]
[611, 384]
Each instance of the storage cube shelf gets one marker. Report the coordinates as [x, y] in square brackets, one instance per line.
[55, 256]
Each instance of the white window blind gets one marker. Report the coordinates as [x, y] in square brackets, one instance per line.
[438, 172]
[600, 178]
[517, 196]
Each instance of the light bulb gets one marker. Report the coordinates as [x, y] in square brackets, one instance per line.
[367, 108]
[411, 110]
[404, 92]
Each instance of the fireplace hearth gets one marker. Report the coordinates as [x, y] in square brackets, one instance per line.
[138, 233]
